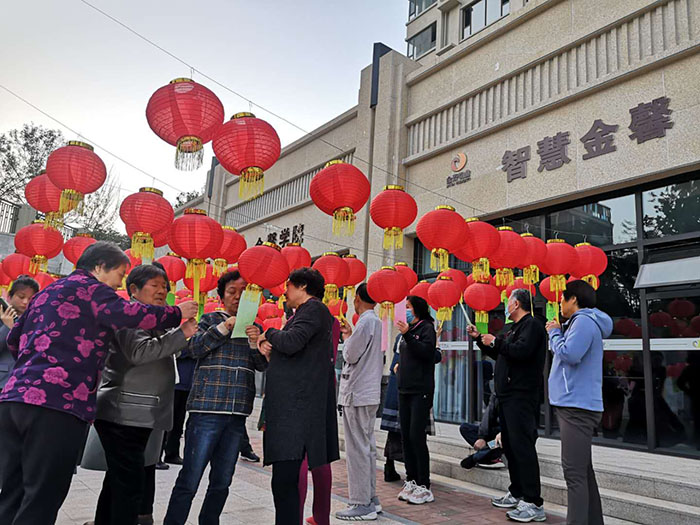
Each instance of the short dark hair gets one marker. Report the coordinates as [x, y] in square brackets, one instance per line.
[584, 293]
[143, 273]
[522, 296]
[102, 252]
[224, 280]
[314, 281]
[420, 308]
[22, 282]
[363, 294]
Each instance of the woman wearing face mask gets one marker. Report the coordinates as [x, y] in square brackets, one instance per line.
[49, 401]
[416, 382]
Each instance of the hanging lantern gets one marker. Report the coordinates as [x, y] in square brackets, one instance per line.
[133, 261]
[74, 247]
[16, 264]
[340, 190]
[535, 254]
[338, 308]
[39, 243]
[76, 170]
[550, 291]
[520, 283]
[442, 231]
[591, 264]
[269, 310]
[195, 237]
[44, 197]
[458, 277]
[275, 322]
[681, 308]
[443, 296]
[355, 318]
[482, 241]
[213, 306]
[357, 271]
[185, 114]
[247, 146]
[231, 249]
[335, 272]
[386, 287]
[145, 213]
[262, 267]
[207, 283]
[509, 254]
[297, 256]
[407, 273]
[175, 268]
[5, 280]
[394, 210]
[482, 298]
[561, 259]
[420, 290]
[44, 279]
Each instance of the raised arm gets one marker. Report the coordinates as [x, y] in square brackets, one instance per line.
[113, 312]
[212, 333]
[140, 346]
[572, 346]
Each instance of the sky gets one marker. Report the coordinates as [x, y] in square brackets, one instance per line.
[301, 59]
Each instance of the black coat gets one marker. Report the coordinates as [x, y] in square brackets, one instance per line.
[417, 359]
[300, 389]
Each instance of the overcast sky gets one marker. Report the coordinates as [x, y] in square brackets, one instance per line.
[300, 58]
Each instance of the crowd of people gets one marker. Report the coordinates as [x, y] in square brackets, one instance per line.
[119, 378]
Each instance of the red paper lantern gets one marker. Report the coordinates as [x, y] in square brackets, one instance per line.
[591, 264]
[145, 213]
[133, 261]
[441, 231]
[44, 197]
[386, 287]
[297, 256]
[335, 273]
[420, 290]
[623, 363]
[232, 247]
[185, 114]
[76, 170]
[74, 247]
[661, 320]
[16, 264]
[183, 293]
[263, 266]
[624, 326]
[561, 259]
[482, 298]
[340, 190]
[125, 295]
[269, 309]
[338, 308]
[357, 271]
[44, 279]
[535, 254]
[40, 243]
[279, 291]
[458, 277]
[5, 280]
[247, 146]
[355, 318]
[213, 306]
[443, 296]
[549, 292]
[407, 273]
[519, 283]
[681, 308]
[394, 210]
[275, 322]
[174, 267]
[509, 254]
[481, 242]
[207, 283]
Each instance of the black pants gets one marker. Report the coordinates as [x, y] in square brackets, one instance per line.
[245, 443]
[285, 491]
[518, 418]
[39, 449]
[172, 438]
[470, 433]
[414, 416]
[124, 482]
[149, 491]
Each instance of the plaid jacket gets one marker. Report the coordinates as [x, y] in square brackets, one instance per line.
[224, 377]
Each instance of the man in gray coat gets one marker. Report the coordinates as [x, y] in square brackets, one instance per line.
[360, 388]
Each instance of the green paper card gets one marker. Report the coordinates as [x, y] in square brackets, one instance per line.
[247, 310]
[551, 311]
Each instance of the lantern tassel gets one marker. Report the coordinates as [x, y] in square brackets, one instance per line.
[189, 154]
[481, 318]
[331, 294]
[531, 274]
[142, 246]
[70, 199]
[504, 277]
[557, 284]
[439, 259]
[386, 310]
[592, 280]
[196, 270]
[39, 263]
[444, 314]
[343, 222]
[251, 183]
[393, 238]
[481, 270]
[220, 266]
[53, 219]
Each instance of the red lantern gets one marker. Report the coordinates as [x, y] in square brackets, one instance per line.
[386, 287]
[394, 210]
[145, 213]
[355, 318]
[681, 308]
[407, 273]
[247, 146]
[275, 322]
[535, 254]
[174, 267]
[695, 323]
[206, 284]
[263, 267]
[44, 197]
[508, 256]
[357, 271]
[623, 363]
[496, 325]
[420, 290]
[231, 249]
[458, 277]
[552, 293]
[591, 264]
[183, 294]
[443, 296]
[269, 309]
[624, 326]
[338, 308]
[335, 272]
[297, 257]
[482, 241]
[185, 114]
[441, 231]
[125, 295]
[482, 298]
[75, 170]
[519, 283]
[5, 280]
[279, 291]
[40, 243]
[133, 261]
[44, 279]
[661, 320]
[74, 247]
[213, 306]
[340, 190]
[561, 259]
[16, 264]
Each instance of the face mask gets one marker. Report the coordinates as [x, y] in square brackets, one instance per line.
[507, 313]
[410, 317]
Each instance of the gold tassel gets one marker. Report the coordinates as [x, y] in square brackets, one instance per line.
[393, 238]
[592, 280]
[557, 284]
[343, 222]
[39, 263]
[386, 309]
[53, 219]
[142, 246]
[251, 183]
[444, 314]
[531, 274]
[220, 266]
[189, 154]
[331, 294]
[69, 201]
[439, 259]
[196, 270]
[481, 270]
[504, 277]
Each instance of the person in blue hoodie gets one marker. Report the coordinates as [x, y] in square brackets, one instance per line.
[576, 393]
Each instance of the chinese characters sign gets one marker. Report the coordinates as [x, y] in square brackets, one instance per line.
[285, 236]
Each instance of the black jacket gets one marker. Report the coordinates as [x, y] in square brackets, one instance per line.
[519, 353]
[417, 359]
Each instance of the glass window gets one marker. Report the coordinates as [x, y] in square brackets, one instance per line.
[478, 15]
[416, 7]
[422, 42]
[671, 210]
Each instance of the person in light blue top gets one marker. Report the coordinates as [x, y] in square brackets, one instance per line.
[576, 393]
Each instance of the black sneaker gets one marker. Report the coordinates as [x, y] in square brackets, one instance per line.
[162, 466]
[390, 475]
[250, 456]
[173, 460]
[468, 462]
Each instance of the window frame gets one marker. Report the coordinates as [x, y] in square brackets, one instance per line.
[413, 11]
[431, 27]
[463, 16]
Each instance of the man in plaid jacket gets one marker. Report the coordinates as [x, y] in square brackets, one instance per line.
[220, 401]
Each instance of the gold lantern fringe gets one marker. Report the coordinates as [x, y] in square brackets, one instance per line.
[386, 309]
[444, 314]
[220, 266]
[39, 263]
[251, 184]
[557, 284]
[196, 270]
[189, 154]
[70, 199]
[343, 221]
[592, 280]
[393, 238]
[531, 274]
[332, 294]
[504, 277]
[53, 219]
[481, 270]
[142, 246]
[439, 259]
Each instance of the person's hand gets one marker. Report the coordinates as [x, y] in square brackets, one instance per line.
[498, 440]
[487, 339]
[188, 309]
[479, 444]
[473, 332]
[253, 332]
[230, 323]
[264, 346]
[553, 325]
[189, 328]
[403, 327]
[396, 368]
[8, 316]
[345, 330]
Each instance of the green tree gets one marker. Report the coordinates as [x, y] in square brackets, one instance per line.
[673, 209]
[185, 197]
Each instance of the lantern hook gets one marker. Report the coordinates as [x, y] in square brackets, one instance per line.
[556, 234]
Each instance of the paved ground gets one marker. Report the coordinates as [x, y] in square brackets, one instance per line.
[250, 500]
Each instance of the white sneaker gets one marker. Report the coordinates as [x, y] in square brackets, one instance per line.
[377, 505]
[526, 512]
[407, 490]
[421, 495]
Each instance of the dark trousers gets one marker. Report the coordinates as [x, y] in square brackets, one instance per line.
[583, 499]
[39, 449]
[125, 479]
[414, 416]
[245, 442]
[518, 417]
[149, 491]
[172, 438]
[285, 491]
[470, 433]
[214, 440]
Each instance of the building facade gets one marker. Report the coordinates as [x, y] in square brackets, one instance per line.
[574, 119]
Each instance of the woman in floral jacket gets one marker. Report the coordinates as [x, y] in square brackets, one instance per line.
[61, 343]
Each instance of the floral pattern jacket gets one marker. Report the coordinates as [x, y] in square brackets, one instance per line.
[61, 342]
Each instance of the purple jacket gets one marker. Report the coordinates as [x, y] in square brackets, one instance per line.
[62, 341]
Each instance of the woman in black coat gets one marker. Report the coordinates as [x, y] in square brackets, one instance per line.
[299, 393]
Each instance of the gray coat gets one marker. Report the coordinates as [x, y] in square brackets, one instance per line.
[7, 362]
[363, 364]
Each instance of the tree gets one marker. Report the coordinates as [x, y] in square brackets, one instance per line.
[99, 209]
[673, 209]
[185, 197]
[23, 154]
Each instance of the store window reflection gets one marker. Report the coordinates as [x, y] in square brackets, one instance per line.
[672, 209]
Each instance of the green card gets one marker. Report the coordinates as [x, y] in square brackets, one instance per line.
[247, 310]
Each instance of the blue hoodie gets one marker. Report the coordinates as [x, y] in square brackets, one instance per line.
[576, 377]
